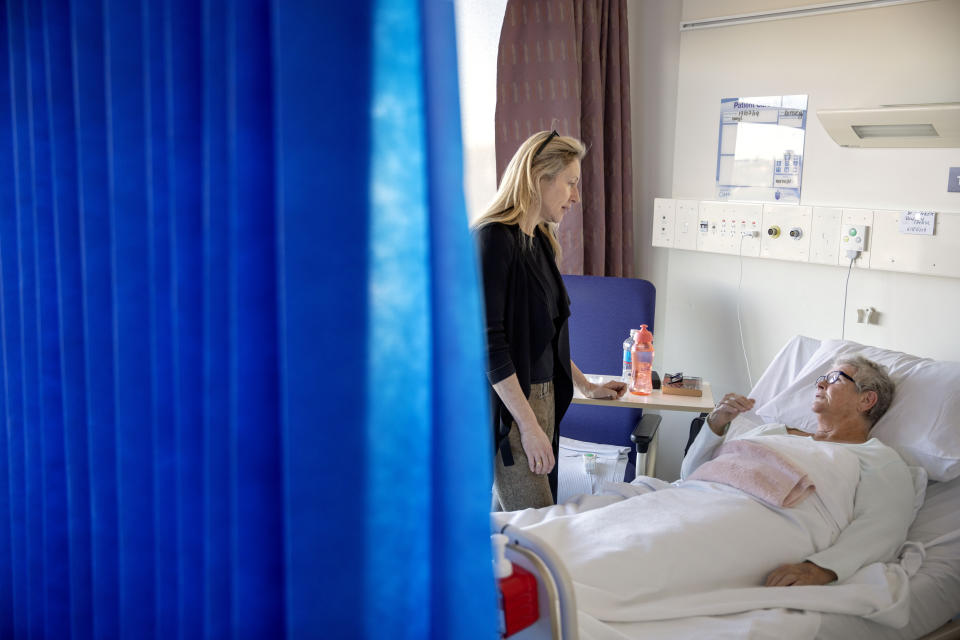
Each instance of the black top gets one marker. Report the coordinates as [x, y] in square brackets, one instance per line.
[542, 367]
[522, 320]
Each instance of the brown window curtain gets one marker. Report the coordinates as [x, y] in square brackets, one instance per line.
[564, 64]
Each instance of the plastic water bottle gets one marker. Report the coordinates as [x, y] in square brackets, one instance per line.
[641, 357]
[627, 366]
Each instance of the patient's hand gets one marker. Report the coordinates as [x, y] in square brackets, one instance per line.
[796, 575]
[732, 405]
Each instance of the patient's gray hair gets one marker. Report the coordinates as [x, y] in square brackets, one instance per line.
[872, 377]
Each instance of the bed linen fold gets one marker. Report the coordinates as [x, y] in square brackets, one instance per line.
[759, 471]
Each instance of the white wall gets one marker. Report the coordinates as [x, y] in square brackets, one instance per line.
[890, 55]
[654, 58]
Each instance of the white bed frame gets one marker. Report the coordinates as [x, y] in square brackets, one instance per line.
[558, 603]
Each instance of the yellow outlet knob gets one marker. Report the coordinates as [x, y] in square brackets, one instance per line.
[774, 231]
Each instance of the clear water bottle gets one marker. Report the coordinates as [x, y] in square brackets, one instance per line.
[627, 366]
[641, 357]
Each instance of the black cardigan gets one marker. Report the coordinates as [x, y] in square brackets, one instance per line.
[518, 323]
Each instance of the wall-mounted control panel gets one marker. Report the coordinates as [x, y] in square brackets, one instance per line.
[725, 227]
[688, 224]
[820, 235]
[938, 254]
[853, 237]
[664, 222]
[786, 232]
[825, 235]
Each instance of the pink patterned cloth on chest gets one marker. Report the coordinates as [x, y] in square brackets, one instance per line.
[758, 470]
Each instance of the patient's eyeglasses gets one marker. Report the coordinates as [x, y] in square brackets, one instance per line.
[833, 377]
[543, 145]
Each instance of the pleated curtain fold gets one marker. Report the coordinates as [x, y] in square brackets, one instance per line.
[565, 65]
[221, 418]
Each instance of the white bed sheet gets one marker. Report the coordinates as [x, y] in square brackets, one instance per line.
[625, 593]
[934, 590]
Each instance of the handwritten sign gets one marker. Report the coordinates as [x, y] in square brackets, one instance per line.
[919, 223]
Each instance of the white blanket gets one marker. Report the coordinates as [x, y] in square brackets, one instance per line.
[704, 549]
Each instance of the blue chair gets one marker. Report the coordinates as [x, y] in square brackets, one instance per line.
[602, 312]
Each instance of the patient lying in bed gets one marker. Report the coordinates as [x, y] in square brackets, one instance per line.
[775, 507]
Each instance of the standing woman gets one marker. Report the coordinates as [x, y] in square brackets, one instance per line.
[528, 346]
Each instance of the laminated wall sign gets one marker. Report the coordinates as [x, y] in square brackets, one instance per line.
[760, 148]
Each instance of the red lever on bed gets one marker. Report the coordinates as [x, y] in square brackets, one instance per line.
[519, 607]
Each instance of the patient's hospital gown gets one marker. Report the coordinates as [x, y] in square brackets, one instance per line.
[626, 555]
[883, 503]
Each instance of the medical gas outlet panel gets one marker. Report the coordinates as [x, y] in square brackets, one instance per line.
[875, 239]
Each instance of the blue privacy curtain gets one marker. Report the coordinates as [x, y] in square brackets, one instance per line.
[241, 348]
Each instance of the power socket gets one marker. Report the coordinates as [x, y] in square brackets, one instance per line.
[853, 237]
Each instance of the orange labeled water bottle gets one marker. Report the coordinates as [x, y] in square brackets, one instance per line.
[641, 358]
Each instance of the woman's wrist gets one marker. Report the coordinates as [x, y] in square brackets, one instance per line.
[528, 424]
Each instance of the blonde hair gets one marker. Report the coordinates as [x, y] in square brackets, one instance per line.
[518, 196]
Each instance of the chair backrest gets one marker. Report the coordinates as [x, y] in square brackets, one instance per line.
[602, 312]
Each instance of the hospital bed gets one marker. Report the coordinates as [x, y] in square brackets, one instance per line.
[922, 424]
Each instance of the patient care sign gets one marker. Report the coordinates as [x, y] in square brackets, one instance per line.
[760, 152]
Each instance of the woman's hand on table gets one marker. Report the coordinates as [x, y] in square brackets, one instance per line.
[608, 391]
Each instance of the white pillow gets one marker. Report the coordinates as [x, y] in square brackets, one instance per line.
[920, 479]
[923, 422]
[784, 367]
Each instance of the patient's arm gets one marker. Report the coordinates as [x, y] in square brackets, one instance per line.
[802, 574]
[702, 449]
[708, 440]
[732, 405]
[882, 511]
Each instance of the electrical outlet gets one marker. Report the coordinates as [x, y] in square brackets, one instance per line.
[664, 217]
[686, 224]
[853, 237]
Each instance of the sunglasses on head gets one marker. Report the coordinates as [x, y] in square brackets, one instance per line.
[543, 145]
